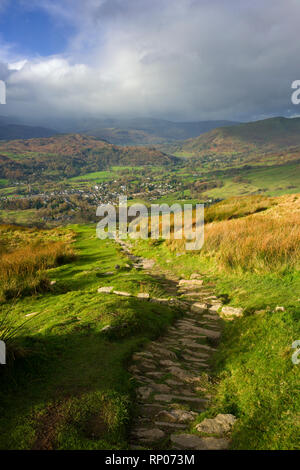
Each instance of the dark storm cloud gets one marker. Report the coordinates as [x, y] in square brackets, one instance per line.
[180, 59]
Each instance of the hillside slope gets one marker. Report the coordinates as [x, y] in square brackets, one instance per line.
[276, 139]
[70, 155]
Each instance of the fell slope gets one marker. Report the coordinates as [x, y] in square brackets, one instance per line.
[70, 155]
[275, 139]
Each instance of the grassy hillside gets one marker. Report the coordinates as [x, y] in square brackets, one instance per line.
[68, 387]
[275, 180]
[274, 140]
[70, 155]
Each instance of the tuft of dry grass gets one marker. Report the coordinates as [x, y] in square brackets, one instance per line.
[25, 255]
[239, 206]
[265, 241]
[255, 243]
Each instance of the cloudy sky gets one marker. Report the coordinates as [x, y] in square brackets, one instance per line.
[174, 59]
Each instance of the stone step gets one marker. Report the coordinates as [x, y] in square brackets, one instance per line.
[149, 410]
[179, 398]
[148, 436]
[172, 426]
[193, 442]
[198, 354]
[176, 415]
[195, 360]
[193, 345]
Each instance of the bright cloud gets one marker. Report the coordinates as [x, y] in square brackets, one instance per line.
[182, 59]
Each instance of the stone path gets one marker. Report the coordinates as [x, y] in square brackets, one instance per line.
[173, 372]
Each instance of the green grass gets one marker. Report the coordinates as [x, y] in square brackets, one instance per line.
[97, 176]
[109, 174]
[72, 390]
[258, 381]
[273, 181]
[27, 217]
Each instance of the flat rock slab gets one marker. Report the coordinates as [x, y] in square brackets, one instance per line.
[231, 311]
[161, 388]
[149, 410]
[210, 316]
[148, 263]
[192, 294]
[176, 416]
[183, 375]
[155, 375]
[190, 441]
[105, 290]
[168, 398]
[197, 354]
[125, 294]
[143, 296]
[147, 364]
[199, 307]
[144, 392]
[190, 282]
[149, 435]
[168, 363]
[174, 383]
[35, 313]
[195, 360]
[209, 333]
[201, 331]
[106, 329]
[215, 308]
[160, 301]
[195, 276]
[162, 351]
[193, 345]
[168, 426]
[221, 424]
[187, 288]
[141, 355]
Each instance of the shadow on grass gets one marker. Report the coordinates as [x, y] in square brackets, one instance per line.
[73, 389]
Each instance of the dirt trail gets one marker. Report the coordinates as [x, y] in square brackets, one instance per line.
[173, 371]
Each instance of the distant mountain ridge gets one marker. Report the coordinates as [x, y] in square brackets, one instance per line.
[135, 131]
[148, 131]
[10, 131]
